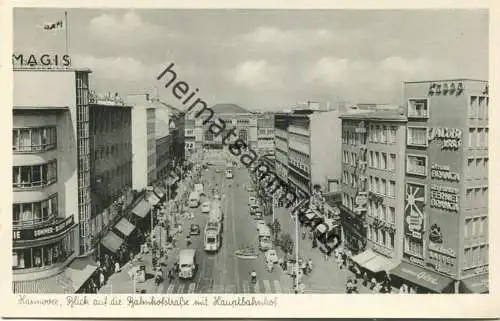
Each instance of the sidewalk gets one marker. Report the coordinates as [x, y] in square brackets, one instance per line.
[326, 276]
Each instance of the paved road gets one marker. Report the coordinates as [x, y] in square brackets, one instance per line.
[223, 272]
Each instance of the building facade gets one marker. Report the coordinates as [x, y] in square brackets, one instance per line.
[50, 171]
[243, 121]
[143, 141]
[373, 142]
[265, 134]
[446, 184]
[110, 125]
[307, 150]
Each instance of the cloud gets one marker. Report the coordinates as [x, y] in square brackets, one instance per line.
[256, 75]
[116, 68]
[272, 38]
[127, 30]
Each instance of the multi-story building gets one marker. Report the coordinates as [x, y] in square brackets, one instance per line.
[265, 134]
[446, 192]
[307, 149]
[373, 145]
[143, 141]
[234, 116]
[110, 124]
[51, 177]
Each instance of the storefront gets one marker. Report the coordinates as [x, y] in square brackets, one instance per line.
[476, 284]
[373, 262]
[112, 242]
[39, 249]
[423, 280]
[141, 218]
[353, 232]
[71, 280]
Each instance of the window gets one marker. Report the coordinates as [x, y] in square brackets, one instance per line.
[383, 185]
[418, 108]
[391, 240]
[417, 136]
[416, 165]
[34, 139]
[370, 159]
[472, 137]
[414, 246]
[480, 138]
[392, 189]
[383, 161]
[392, 162]
[30, 214]
[377, 188]
[376, 160]
[209, 136]
[473, 107]
[391, 135]
[392, 215]
[34, 176]
[383, 136]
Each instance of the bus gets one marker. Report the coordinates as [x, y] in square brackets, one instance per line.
[213, 236]
[265, 241]
[194, 200]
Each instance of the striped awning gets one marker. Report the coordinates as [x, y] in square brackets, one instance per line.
[125, 227]
[112, 241]
[142, 209]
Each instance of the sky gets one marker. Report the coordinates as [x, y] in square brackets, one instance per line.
[264, 59]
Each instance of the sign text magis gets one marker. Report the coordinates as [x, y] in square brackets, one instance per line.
[41, 60]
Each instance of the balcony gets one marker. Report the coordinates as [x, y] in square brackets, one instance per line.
[32, 149]
[35, 223]
[35, 184]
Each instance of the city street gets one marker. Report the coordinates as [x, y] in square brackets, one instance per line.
[223, 272]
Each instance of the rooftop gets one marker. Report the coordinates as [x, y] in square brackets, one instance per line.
[226, 108]
[375, 114]
[40, 108]
[443, 80]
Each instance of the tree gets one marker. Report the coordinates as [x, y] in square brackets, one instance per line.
[286, 243]
[276, 228]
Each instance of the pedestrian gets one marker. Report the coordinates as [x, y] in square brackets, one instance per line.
[309, 265]
[101, 279]
[117, 267]
[373, 282]
[348, 286]
[376, 289]
[365, 279]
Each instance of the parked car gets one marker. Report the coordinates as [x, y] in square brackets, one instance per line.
[250, 188]
[194, 229]
[252, 200]
[205, 207]
[260, 223]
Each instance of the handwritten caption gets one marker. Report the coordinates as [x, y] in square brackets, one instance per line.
[75, 301]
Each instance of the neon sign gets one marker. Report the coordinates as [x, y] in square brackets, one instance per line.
[451, 137]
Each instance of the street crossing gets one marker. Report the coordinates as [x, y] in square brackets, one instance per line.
[261, 286]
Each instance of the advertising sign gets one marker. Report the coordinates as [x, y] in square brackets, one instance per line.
[450, 138]
[442, 258]
[41, 61]
[414, 210]
[45, 231]
[446, 88]
[445, 198]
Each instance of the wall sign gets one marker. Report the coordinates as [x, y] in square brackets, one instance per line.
[44, 60]
[446, 88]
[451, 138]
[416, 260]
[441, 258]
[445, 198]
[50, 230]
[444, 172]
[414, 210]
[435, 234]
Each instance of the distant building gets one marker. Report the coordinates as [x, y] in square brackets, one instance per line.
[265, 133]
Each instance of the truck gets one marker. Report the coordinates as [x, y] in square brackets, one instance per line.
[213, 235]
[265, 241]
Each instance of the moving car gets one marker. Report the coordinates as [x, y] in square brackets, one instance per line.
[252, 201]
[229, 173]
[260, 223]
[194, 199]
[205, 207]
[258, 214]
[254, 208]
[272, 256]
[194, 229]
[187, 263]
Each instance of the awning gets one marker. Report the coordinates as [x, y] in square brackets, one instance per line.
[364, 257]
[310, 215]
[420, 276]
[125, 227]
[475, 284]
[153, 199]
[159, 191]
[142, 209]
[378, 263]
[112, 241]
[322, 228]
[68, 281]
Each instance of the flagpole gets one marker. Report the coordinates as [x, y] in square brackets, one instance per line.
[66, 29]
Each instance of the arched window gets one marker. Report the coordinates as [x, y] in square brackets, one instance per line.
[209, 136]
[242, 134]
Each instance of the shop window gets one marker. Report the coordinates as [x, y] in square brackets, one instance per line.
[414, 246]
[418, 108]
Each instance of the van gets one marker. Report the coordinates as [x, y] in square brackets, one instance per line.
[187, 263]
